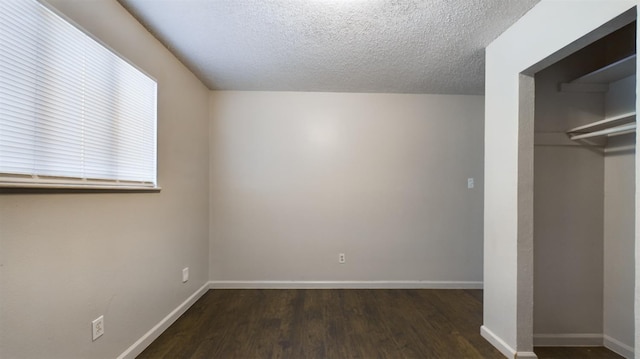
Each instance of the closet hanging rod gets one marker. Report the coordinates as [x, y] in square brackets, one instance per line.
[614, 131]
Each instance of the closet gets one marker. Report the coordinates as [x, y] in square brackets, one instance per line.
[584, 197]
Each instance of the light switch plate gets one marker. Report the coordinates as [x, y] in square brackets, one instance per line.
[185, 275]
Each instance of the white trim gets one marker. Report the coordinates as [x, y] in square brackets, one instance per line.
[526, 355]
[568, 340]
[497, 342]
[141, 344]
[618, 347]
[74, 186]
[274, 284]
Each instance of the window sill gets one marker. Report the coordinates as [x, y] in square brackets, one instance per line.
[42, 187]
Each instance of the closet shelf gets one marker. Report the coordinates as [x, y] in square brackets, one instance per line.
[610, 73]
[612, 126]
[599, 80]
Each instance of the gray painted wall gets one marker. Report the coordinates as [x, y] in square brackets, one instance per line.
[66, 258]
[297, 178]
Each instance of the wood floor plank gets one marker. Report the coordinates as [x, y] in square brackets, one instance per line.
[218, 336]
[259, 320]
[336, 324]
[462, 312]
[274, 339]
[422, 326]
[366, 326]
[307, 330]
[406, 327]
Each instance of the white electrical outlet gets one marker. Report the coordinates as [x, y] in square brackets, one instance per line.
[470, 183]
[97, 327]
[342, 259]
[185, 275]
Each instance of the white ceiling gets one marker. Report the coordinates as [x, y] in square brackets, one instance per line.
[395, 46]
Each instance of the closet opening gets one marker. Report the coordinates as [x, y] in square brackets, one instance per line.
[584, 124]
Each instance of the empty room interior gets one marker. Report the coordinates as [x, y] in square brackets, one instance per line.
[319, 179]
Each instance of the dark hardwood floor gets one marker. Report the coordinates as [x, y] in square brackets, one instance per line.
[323, 323]
[576, 353]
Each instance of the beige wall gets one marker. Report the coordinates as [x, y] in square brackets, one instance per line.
[297, 178]
[66, 258]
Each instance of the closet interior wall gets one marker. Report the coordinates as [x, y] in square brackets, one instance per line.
[584, 205]
[619, 220]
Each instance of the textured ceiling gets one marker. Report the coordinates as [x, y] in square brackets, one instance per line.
[395, 46]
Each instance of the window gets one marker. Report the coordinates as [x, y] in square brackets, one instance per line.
[72, 112]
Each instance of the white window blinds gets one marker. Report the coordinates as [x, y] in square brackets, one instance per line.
[71, 111]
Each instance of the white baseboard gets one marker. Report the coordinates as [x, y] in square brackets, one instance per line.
[141, 344]
[526, 355]
[497, 342]
[568, 340]
[226, 284]
[618, 347]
